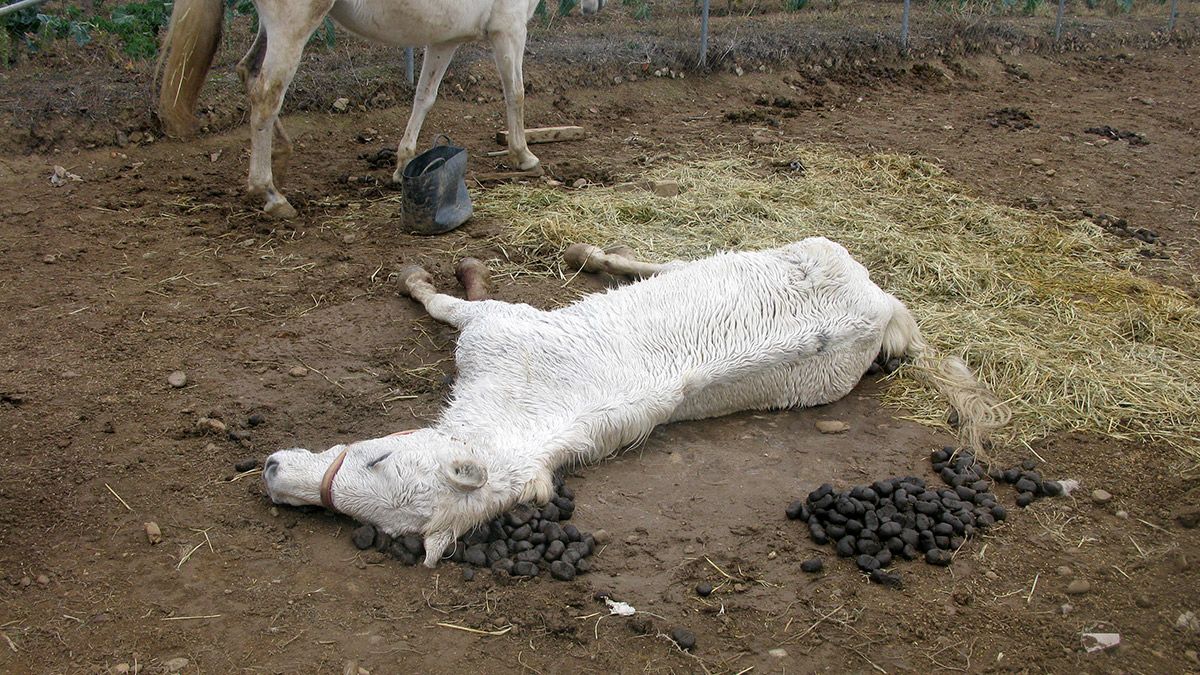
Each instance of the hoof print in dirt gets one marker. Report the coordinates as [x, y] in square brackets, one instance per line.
[1112, 134]
[527, 541]
[385, 158]
[1121, 227]
[1013, 118]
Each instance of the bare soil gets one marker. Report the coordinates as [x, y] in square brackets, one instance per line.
[154, 262]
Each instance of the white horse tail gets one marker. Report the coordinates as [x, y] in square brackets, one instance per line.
[979, 411]
[184, 59]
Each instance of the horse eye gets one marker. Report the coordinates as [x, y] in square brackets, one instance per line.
[371, 464]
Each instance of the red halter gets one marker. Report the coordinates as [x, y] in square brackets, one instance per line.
[331, 473]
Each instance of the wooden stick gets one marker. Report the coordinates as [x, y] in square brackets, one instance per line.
[546, 135]
[507, 175]
[190, 618]
[114, 493]
[467, 629]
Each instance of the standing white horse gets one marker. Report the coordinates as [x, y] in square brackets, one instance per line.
[284, 27]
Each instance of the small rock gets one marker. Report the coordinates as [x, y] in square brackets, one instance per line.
[1066, 608]
[341, 105]
[1187, 622]
[120, 669]
[49, 258]
[524, 569]
[153, 532]
[209, 424]
[468, 574]
[1122, 514]
[26, 582]
[244, 465]
[1063, 571]
[1188, 519]
[298, 371]
[1037, 161]
[601, 537]
[1101, 496]
[936, 556]
[580, 183]
[832, 426]
[685, 638]
[772, 555]
[888, 579]
[812, 566]
[665, 188]
[177, 379]
[704, 590]
[363, 537]
[1192, 656]
[562, 571]
[255, 420]
[778, 653]
[43, 580]
[239, 435]
[1144, 601]
[175, 665]
[1079, 587]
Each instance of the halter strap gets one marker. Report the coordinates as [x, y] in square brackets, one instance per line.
[331, 473]
[327, 479]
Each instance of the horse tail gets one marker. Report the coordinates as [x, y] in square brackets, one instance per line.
[184, 59]
[979, 411]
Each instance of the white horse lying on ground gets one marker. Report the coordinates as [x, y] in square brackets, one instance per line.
[284, 27]
[537, 390]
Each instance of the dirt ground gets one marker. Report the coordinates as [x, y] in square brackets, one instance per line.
[154, 262]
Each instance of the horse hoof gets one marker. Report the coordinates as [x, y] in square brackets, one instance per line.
[621, 250]
[281, 210]
[411, 275]
[474, 277]
[584, 258]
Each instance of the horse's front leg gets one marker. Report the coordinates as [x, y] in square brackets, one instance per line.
[508, 47]
[433, 67]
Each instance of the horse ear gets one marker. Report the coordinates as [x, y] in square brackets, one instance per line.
[465, 475]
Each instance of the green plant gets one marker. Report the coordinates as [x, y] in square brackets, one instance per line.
[565, 6]
[137, 25]
[1030, 6]
[795, 5]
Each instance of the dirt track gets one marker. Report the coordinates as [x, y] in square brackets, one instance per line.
[153, 262]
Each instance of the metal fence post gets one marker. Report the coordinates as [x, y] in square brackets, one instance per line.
[703, 60]
[1174, 14]
[904, 27]
[408, 64]
[1058, 20]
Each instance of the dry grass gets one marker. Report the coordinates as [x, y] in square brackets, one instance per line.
[1048, 312]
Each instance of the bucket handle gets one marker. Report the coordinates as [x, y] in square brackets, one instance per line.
[441, 139]
[434, 165]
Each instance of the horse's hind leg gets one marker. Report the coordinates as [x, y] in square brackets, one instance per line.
[618, 261]
[247, 69]
[284, 32]
[433, 68]
[508, 47]
[417, 284]
[475, 278]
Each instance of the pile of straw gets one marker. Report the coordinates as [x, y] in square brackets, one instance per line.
[1047, 312]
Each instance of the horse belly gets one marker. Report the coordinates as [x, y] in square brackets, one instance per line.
[412, 23]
